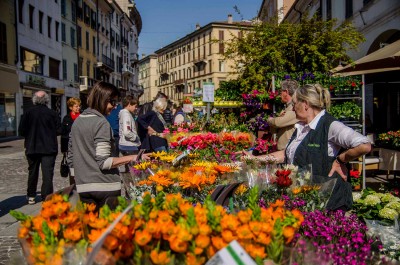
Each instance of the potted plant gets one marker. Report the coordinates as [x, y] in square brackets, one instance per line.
[355, 179]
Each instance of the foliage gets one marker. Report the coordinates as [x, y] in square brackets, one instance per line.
[271, 47]
[346, 110]
[225, 122]
[228, 91]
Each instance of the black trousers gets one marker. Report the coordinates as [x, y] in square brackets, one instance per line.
[100, 198]
[46, 162]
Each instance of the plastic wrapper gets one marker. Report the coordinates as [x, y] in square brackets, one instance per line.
[387, 233]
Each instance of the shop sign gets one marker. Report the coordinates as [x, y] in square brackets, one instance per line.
[35, 80]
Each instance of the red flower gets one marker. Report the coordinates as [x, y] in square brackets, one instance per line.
[355, 173]
[282, 178]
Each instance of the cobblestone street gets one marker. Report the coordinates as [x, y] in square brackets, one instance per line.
[13, 181]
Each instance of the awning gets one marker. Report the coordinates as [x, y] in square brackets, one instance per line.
[9, 81]
[382, 60]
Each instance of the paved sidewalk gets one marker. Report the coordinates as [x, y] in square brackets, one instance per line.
[13, 183]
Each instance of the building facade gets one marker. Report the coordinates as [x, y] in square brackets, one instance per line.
[189, 62]
[69, 50]
[39, 52]
[271, 8]
[9, 84]
[148, 78]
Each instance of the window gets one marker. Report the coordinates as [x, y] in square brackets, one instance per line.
[31, 61]
[79, 36]
[76, 79]
[209, 66]
[88, 68]
[349, 8]
[221, 48]
[31, 10]
[240, 34]
[63, 33]
[41, 22]
[63, 8]
[94, 45]
[221, 66]
[57, 29]
[54, 68]
[73, 11]
[64, 69]
[87, 40]
[328, 9]
[21, 11]
[49, 27]
[3, 42]
[221, 35]
[73, 44]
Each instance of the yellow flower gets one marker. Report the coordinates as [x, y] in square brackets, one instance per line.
[142, 166]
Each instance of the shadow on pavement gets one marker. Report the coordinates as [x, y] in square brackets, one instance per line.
[12, 203]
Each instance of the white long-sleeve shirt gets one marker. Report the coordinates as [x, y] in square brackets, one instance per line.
[127, 129]
[339, 136]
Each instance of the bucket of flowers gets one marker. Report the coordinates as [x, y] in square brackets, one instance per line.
[355, 179]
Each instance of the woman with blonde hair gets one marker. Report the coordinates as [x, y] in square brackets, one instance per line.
[324, 143]
[155, 125]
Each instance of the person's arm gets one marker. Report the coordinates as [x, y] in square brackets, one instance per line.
[289, 118]
[279, 155]
[354, 143]
[145, 121]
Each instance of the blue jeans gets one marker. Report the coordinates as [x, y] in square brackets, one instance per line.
[161, 148]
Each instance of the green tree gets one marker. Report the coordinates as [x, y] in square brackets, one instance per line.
[311, 45]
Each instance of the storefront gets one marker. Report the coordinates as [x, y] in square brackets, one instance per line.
[8, 87]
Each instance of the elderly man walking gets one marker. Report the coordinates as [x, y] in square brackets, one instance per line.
[40, 127]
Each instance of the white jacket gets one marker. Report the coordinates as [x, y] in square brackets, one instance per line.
[127, 129]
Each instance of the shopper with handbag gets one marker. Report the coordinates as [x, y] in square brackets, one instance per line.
[74, 105]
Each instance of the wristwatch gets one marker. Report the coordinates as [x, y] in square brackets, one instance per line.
[337, 159]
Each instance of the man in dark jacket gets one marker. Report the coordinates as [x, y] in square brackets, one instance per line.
[40, 127]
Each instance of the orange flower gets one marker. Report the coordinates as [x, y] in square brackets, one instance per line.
[299, 216]
[204, 229]
[288, 233]
[90, 207]
[211, 251]
[296, 190]
[142, 237]
[184, 234]
[263, 238]
[184, 207]
[68, 218]
[153, 227]
[126, 249]
[229, 221]
[222, 169]
[121, 231]
[54, 226]
[202, 241]
[163, 216]
[99, 223]
[73, 234]
[177, 245]
[218, 242]
[23, 232]
[47, 212]
[37, 222]
[278, 203]
[255, 227]
[244, 216]
[256, 251]
[193, 260]
[111, 242]
[95, 234]
[159, 258]
[228, 236]
[244, 232]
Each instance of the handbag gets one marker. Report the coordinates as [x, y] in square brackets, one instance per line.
[64, 168]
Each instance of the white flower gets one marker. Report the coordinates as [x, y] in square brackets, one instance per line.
[387, 197]
[388, 213]
[356, 196]
[372, 200]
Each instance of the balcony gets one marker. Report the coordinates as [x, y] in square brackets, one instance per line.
[106, 64]
[85, 83]
[200, 60]
[127, 69]
[179, 82]
[134, 57]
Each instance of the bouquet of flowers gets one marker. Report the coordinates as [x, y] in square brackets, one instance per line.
[390, 139]
[355, 179]
[166, 229]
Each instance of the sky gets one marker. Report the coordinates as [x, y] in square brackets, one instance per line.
[165, 21]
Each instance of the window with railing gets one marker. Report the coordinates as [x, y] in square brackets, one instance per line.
[3, 42]
[49, 27]
[73, 11]
[63, 33]
[41, 22]
[31, 61]
[63, 8]
[64, 62]
[57, 30]
[31, 11]
[72, 33]
[54, 68]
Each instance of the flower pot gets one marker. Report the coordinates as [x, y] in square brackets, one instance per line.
[357, 187]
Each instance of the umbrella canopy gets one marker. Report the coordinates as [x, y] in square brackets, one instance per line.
[382, 60]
